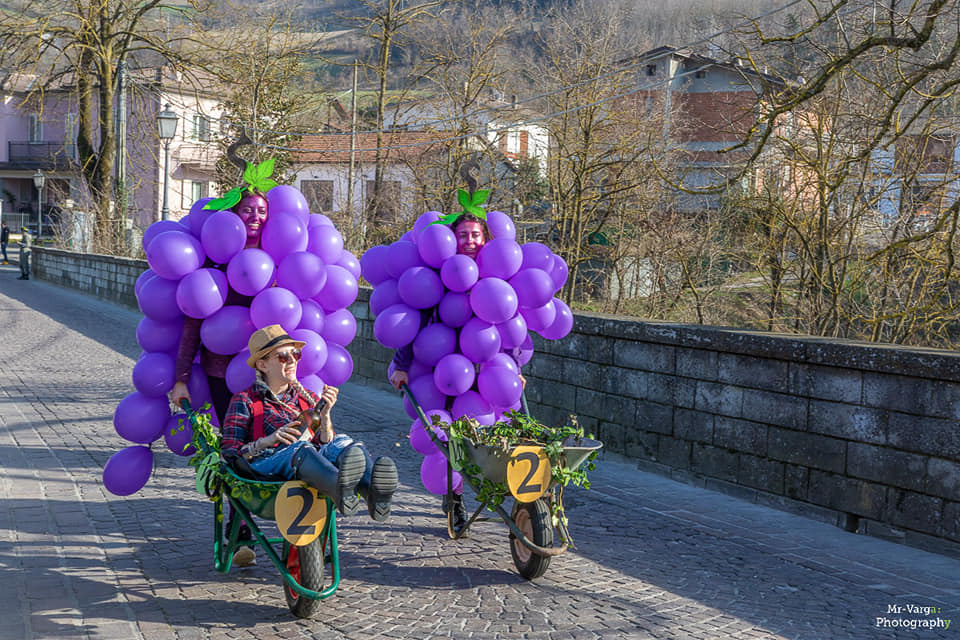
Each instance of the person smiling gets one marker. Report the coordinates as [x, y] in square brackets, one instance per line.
[264, 425]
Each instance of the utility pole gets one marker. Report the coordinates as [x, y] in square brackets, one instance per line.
[353, 150]
[120, 178]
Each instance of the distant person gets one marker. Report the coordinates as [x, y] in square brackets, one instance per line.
[4, 239]
[26, 242]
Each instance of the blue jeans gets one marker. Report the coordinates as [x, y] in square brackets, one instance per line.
[278, 462]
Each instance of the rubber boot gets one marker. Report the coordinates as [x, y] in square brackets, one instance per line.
[337, 482]
[377, 486]
[459, 512]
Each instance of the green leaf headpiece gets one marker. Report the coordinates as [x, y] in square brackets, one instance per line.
[257, 179]
[471, 204]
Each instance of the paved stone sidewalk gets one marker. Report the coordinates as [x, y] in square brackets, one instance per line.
[654, 559]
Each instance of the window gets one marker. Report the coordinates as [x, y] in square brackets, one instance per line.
[70, 128]
[513, 142]
[201, 128]
[198, 190]
[389, 199]
[36, 129]
[651, 69]
[319, 194]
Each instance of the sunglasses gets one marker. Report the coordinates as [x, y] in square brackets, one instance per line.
[286, 357]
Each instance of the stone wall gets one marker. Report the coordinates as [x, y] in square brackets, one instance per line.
[859, 435]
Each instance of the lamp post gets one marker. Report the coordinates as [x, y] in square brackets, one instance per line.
[38, 180]
[167, 128]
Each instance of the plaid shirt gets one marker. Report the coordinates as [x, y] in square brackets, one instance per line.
[238, 424]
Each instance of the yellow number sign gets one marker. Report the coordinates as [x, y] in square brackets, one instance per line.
[528, 473]
[301, 513]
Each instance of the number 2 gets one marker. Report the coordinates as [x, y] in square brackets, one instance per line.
[534, 460]
[295, 528]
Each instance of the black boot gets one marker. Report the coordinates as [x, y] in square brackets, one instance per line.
[339, 483]
[459, 512]
[377, 486]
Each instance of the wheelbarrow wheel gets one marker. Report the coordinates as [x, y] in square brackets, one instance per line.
[305, 564]
[533, 520]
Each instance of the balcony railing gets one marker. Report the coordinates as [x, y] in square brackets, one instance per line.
[57, 153]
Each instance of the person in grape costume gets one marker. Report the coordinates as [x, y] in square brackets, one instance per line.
[471, 233]
[252, 210]
[263, 425]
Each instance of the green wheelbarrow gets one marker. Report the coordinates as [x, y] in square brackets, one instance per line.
[306, 555]
[524, 469]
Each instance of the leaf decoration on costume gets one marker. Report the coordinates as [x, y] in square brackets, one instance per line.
[257, 178]
[471, 204]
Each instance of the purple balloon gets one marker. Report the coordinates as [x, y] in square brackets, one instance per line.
[326, 243]
[153, 374]
[562, 324]
[338, 367]
[178, 434]
[276, 305]
[540, 318]
[154, 335]
[373, 264]
[396, 326]
[501, 226]
[202, 293]
[402, 255]
[499, 386]
[284, 198]
[479, 340]
[493, 300]
[283, 234]
[419, 369]
[199, 387]
[128, 470]
[512, 332]
[142, 279]
[313, 383]
[420, 440]
[174, 254]
[536, 256]
[434, 342]
[251, 271]
[339, 291]
[313, 353]
[340, 327]
[316, 219]
[454, 374]
[436, 243]
[427, 394]
[499, 258]
[158, 227]
[420, 287]
[195, 220]
[534, 287]
[472, 405]
[240, 376]
[140, 418]
[501, 360]
[433, 474]
[226, 332]
[455, 309]
[302, 273]
[385, 294]
[459, 272]
[526, 351]
[559, 272]
[223, 236]
[423, 221]
[349, 262]
[158, 299]
[313, 316]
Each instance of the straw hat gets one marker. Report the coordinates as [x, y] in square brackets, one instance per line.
[268, 339]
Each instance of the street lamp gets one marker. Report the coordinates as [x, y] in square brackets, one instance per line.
[167, 127]
[38, 180]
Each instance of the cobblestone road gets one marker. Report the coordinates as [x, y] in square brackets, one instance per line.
[655, 559]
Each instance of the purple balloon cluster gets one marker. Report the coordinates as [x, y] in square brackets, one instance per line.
[301, 278]
[486, 308]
